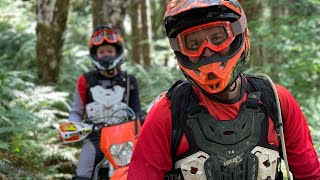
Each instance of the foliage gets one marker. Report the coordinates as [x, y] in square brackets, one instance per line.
[158, 77]
[295, 43]
[17, 53]
[30, 114]
[27, 115]
[75, 53]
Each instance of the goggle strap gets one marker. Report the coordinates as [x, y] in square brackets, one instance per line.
[174, 44]
[239, 26]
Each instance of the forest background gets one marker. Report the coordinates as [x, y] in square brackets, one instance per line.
[43, 50]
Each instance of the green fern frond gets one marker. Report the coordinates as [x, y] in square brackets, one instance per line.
[4, 130]
[4, 145]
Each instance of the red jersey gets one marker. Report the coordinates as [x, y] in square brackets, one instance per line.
[152, 155]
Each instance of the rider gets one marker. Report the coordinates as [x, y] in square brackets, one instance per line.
[216, 111]
[101, 91]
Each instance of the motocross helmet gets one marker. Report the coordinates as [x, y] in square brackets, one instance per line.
[104, 35]
[186, 19]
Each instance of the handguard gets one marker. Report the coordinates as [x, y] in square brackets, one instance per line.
[74, 131]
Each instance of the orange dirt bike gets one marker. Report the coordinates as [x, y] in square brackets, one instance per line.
[118, 138]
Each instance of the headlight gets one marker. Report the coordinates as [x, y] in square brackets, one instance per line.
[122, 153]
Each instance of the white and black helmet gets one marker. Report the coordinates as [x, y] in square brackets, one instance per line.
[104, 35]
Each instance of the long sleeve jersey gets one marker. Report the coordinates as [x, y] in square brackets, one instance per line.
[152, 156]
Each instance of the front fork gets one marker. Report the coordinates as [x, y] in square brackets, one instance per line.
[102, 164]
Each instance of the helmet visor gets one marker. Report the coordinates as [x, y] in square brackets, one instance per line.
[216, 36]
[105, 34]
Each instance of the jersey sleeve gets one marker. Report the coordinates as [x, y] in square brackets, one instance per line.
[151, 158]
[79, 100]
[302, 157]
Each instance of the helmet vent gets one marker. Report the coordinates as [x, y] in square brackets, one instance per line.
[211, 76]
[223, 64]
[217, 85]
[197, 71]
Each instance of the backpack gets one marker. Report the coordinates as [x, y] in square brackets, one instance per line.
[181, 90]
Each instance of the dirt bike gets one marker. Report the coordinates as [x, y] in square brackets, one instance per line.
[118, 138]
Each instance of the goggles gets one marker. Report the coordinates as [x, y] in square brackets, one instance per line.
[216, 36]
[105, 35]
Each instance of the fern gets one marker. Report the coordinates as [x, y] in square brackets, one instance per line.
[4, 145]
[5, 130]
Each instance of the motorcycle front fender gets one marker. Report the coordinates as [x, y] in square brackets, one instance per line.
[120, 173]
[117, 134]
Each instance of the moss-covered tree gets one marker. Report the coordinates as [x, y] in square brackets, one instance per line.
[51, 23]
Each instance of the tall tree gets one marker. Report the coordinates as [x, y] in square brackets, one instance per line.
[51, 23]
[252, 8]
[111, 12]
[135, 29]
[158, 8]
[254, 12]
[146, 32]
[140, 32]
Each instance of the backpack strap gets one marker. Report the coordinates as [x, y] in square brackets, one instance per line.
[179, 96]
[126, 76]
[91, 78]
[267, 97]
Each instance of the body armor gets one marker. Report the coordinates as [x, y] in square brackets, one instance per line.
[226, 149]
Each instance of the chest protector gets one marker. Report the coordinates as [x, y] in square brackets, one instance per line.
[94, 78]
[222, 149]
[105, 97]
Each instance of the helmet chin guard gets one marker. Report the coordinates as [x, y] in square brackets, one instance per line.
[107, 62]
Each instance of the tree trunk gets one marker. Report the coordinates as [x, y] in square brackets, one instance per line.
[146, 33]
[254, 12]
[157, 8]
[51, 23]
[274, 57]
[135, 29]
[110, 12]
[252, 8]
[164, 4]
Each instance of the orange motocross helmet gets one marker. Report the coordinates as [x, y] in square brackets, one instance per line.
[186, 20]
